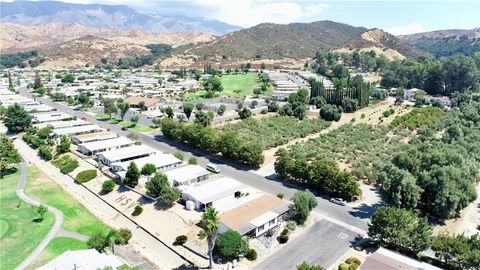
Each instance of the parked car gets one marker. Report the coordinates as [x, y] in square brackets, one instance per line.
[84, 119]
[338, 201]
[124, 128]
[213, 168]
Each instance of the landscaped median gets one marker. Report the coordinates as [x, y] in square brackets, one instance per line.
[127, 124]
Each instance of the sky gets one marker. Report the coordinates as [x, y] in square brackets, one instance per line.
[396, 17]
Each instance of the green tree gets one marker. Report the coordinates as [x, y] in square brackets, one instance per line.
[349, 104]
[10, 83]
[37, 83]
[123, 107]
[108, 186]
[400, 229]
[210, 225]
[203, 118]
[3, 110]
[330, 112]
[192, 161]
[188, 109]
[158, 186]
[457, 251]
[306, 266]
[8, 154]
[299, 110]
[134, 119]
[148, 169]
[16, 118]
[132, 175]
[41, 211]
[303, 203]
[199, 106]
[98, 241]
[221, 110]
[68, 78]
[231, 245]
[244, 113]
[212, 85]
[273, 106]
[64, 145]
[109, 106]
[45, 152]
[169, 112]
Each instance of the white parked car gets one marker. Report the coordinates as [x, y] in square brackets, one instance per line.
[338, 201]
[213, 168]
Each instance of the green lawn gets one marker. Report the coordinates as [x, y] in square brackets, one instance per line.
[20, 235]
[56, 247]
[127, 124]
[245, 83]
[76, 217]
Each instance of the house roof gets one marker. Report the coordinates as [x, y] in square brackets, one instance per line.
[96, 145]
[214, 189]
[127, 152]
[63, 124]
[149, 102]
[185, 173]
[254, 213]
[83, 260]
[73, 130]
[159, 160]
[104, 135]
[384, 259]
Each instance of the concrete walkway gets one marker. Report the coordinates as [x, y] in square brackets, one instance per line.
[56, 229]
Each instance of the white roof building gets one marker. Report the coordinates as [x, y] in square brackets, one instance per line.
[63, 124]
[125, 154]
[50, 117]
[213, 193]
[91, 137]
[92, 148]
[82, 260]
[186, 175]
[160, 160]
[58, 132]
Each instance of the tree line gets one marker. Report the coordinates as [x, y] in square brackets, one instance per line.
[436, 77]
[10, 60]
[228, 144]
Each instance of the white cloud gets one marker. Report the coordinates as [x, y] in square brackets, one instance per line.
[411, 28]
[252, 12]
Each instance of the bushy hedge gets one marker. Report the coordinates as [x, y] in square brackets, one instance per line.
[85, 176]
[108, 186]
[228, 144]
[321, 174]
[66, 164]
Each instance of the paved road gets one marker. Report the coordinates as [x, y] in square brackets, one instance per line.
[344, 215]
[322, 245]
[55, 228]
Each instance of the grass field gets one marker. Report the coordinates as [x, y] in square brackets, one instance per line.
[76, 217]
[20, 235]
[245, 83]
[56, 247]
[128, 124]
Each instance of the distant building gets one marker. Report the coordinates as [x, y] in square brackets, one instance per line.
[445, 101]
[149, 103]
[384, 259]
[77, 130]
[125, 154]
[256, 217]
[92, 137]
[160, 161]
[409, 94]
[93, 148]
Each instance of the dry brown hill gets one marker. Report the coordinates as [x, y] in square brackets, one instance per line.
[382, 43]
[275, 41]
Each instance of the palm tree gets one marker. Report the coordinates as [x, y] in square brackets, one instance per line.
[210, 227]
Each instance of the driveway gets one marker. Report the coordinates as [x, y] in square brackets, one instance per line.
[321, 245]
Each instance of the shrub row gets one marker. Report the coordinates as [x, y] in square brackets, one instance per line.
[66, 164]
[85, 176]
[228, 144]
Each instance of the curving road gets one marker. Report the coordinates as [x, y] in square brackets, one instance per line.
[56, 229]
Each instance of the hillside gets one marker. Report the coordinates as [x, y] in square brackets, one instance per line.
[382, 43]
[275, 41]
[105, 16]
[446, 42]
[17, 37]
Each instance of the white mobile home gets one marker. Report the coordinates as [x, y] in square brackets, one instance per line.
[125, 154]
[186, 175]
[50, 117]
[63, 124]
[57, 133]
[93, 148]
[213, 193]
[255, 217]
[160, 161]
[92, 137]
